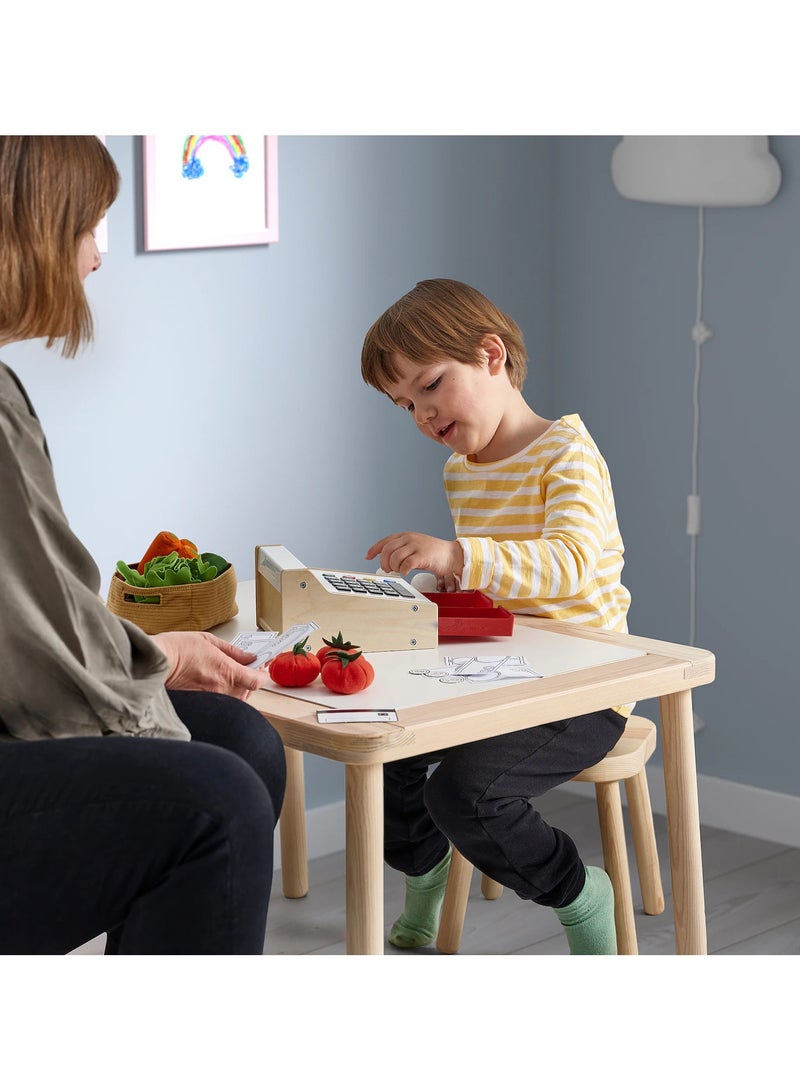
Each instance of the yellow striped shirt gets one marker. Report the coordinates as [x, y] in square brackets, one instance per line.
[539, 530]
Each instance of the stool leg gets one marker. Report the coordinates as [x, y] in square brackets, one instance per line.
[490, 888]
[454, 907]
[644, 843]
[615, 859]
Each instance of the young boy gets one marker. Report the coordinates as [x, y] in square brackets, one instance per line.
[536, 529]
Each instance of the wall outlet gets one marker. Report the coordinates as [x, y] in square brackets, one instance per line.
[699, 723]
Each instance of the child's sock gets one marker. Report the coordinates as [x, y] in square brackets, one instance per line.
[419, 921]
[589, 920]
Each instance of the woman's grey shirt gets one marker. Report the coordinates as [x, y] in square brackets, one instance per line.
[68, 666]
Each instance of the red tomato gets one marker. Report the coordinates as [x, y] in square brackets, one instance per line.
[343, 673]
[335, 644]
[295, 668]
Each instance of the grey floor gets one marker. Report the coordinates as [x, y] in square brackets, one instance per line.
[752, 894]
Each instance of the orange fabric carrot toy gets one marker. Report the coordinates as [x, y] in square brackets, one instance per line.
[165, 543]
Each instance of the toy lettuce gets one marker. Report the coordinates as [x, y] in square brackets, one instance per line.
[171, 571]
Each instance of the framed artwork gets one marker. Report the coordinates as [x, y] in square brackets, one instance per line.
[101, 231]
[202, 191]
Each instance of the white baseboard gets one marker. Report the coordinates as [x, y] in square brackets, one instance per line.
[724, 804]
[324, 831]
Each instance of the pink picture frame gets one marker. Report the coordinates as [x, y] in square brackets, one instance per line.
[208, 191]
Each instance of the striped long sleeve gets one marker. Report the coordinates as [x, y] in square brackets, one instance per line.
[539, 530]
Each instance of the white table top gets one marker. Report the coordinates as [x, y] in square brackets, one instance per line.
[549, 654]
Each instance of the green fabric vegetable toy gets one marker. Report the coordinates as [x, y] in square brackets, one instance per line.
[171, 571]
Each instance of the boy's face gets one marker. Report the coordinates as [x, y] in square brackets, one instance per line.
[458, 405]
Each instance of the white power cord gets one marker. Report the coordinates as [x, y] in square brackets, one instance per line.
[700, 334]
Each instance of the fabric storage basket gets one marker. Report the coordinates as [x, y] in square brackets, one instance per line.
[188, 606]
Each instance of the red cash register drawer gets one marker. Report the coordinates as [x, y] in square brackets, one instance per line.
[470, 613]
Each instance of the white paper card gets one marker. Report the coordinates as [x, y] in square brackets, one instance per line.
[267, 645]
[358, 716]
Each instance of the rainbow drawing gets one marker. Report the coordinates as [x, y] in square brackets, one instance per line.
[193, 168]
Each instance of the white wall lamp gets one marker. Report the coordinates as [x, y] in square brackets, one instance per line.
[706, 172]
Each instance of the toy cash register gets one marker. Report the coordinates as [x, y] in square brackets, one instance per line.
[378, 613]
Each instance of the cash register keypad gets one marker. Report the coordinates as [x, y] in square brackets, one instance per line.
[365, 585]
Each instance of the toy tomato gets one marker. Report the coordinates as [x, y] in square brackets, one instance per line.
[295, 668]
[335, 644]
[346, 673]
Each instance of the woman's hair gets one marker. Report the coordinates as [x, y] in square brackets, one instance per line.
[438, 320]
[53, 189]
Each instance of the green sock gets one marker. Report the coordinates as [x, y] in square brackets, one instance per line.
[589, 920]
[419, 922]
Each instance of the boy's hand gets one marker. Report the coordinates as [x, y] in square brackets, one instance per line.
[404, 552]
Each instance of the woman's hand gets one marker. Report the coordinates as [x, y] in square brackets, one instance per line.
[404, 552]
[203, 661]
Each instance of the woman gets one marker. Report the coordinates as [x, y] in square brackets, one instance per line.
[138, 791]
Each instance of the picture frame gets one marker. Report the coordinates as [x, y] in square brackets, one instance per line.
[210, 191]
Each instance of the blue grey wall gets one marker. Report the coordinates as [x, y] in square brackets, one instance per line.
[625, 289]
[222, 398]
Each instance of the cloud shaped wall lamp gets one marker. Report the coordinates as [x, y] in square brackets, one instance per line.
[706, 171]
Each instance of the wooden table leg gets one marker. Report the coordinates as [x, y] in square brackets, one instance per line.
[294, 850]
[683, 823]
[364, 858]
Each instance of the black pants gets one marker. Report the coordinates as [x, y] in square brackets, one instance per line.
[164, 845]
[479, 796]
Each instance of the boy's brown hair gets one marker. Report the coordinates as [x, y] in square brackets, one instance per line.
[437, 320]
[53, 189]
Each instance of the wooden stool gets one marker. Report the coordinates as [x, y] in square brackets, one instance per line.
[626, 762]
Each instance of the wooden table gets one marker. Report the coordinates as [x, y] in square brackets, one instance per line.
[666, 671]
